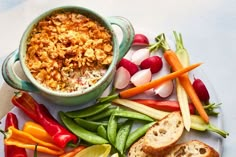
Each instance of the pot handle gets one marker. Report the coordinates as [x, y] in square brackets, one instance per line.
[128, 34]
[10, 76]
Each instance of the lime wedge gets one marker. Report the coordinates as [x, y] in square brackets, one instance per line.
[115, 155]
[102, 150]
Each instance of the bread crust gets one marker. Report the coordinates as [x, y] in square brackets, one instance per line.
[137, 151]
[193, 148]
[163, 134]
[151, 146]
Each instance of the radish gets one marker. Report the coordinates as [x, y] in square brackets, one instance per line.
[153, 62]
[141, 77]
[139, 55]
[122, 78]
[201, 90]
[164, 90]
[140, 40]
[127, 64]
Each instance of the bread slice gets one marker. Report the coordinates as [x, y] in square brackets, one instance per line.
[136, 149]
[192, 148]
[163, 134]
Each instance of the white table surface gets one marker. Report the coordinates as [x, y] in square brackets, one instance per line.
[208, 28]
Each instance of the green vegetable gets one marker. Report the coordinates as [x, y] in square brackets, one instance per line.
[122, 136]
[84, 134]
[136, 134]
[89, 125]
[101, 131]
[104, 114]
[197, 122]
[112, 129]
[89, 111]
[132, 115]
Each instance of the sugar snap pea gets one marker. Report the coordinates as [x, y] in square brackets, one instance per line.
[89, 125]
[112, 129]
[88, 111]
[136, 134]
[104, 114]
[122, 135]
[132, 115]
[101, 131]
[84, 134]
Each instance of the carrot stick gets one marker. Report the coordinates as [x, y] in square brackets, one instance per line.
[140, 89]
[73, 152]
[176, 65]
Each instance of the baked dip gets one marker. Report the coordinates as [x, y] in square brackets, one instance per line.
[68, 51]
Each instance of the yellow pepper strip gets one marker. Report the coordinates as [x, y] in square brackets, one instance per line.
[37, 131]
[25, 140]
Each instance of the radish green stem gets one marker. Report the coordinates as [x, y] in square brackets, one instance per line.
[156, 45]
[108, 98]
[210, 109]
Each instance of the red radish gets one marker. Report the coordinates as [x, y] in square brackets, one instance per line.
[140, 40]
[122, 78]
[153, 62]
[130, 66]
[164, 90]
[141, 77]
[139, 55]
[201, 90]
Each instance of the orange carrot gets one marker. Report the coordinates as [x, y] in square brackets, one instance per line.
[176, 65]
[73, 152]
[140, 89]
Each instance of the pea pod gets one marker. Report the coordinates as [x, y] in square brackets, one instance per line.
[112, 129]
[104, 114]
[84, 134]
[136, 134]
[89, 125]
[132, 115]
[89, 111]
[122, 135]
[101, 131]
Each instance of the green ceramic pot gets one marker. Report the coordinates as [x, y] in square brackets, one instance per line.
[77, 97]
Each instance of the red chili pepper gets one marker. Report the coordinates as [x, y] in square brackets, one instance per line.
[10, 150]
[165, 105]
[40, 114]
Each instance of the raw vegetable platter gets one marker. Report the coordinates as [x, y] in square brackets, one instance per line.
[210, 138]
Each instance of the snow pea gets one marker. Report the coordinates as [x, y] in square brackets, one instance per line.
[136, 134]
[89, 125]
[132, 115]
[88, 111]
[122, 136]
[84, 134]
[104, 114]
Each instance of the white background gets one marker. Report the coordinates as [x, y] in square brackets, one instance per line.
[208, 28]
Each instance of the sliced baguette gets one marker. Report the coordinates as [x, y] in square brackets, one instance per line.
[192, 148]
[137, 151]
[163, 134]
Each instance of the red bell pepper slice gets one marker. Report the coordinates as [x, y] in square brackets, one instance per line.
[40, 114]
[165, 105]
[10, 150]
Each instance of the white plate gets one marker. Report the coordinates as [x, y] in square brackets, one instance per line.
[210, 138]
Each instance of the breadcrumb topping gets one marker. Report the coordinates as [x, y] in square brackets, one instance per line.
[68, 51]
